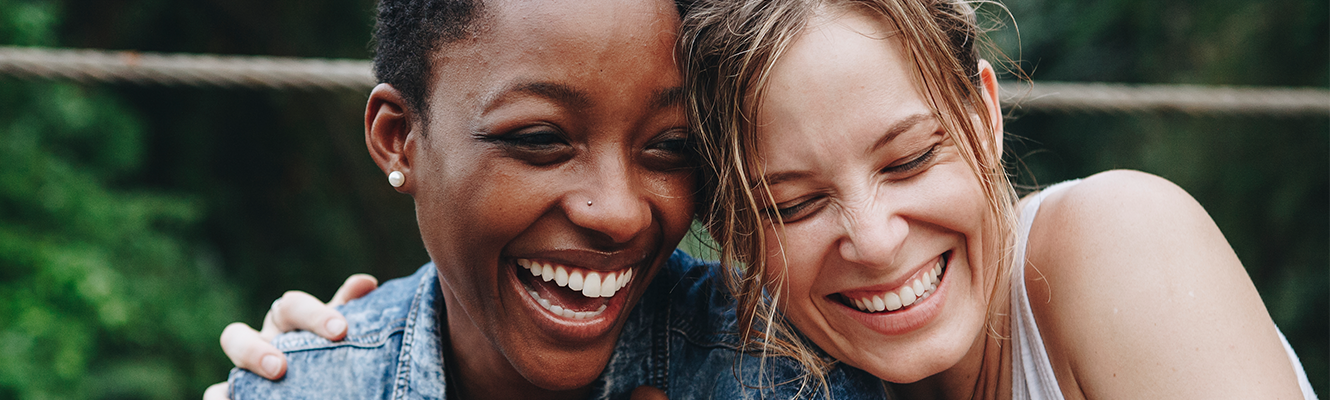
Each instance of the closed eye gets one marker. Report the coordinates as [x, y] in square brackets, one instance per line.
[531, 140]
[798, 209]
[913, 164]
[540, 145]
[672, 151]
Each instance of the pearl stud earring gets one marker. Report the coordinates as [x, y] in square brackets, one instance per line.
[396, 179]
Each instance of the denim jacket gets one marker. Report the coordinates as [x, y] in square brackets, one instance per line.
[680, 338]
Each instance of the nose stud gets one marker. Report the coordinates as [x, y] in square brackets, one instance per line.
[588, 203]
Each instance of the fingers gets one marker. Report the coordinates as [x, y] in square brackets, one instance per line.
[299, 310]
[248, 350]
[645, 392]
[218, 391]
[355, 287]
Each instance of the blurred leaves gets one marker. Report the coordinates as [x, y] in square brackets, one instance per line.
[100, 278]
[136, 222]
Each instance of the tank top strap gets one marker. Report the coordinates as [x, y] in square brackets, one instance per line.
[1032, 373]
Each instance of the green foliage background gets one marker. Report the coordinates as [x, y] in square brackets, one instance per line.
[136, 221]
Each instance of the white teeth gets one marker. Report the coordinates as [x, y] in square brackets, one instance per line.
[575, 280]
[564, 312]
[913, 291]
[907, 296]
[878, 305]
[607, 283]
[546, 273]
[591, 288]
[893, 301]
[561, 276]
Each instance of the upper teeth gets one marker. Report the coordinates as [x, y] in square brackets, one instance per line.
[907, 294]
[589, 283]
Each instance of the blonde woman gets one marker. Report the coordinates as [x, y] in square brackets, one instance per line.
[858, 178]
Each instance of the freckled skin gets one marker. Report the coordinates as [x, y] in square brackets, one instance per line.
[500, 174]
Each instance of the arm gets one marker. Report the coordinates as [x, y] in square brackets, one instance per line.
[295, 310]
[1138, 295]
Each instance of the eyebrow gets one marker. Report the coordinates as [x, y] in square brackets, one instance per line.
[781, 177]
[668, 97]
[896, 129]
[557, 92]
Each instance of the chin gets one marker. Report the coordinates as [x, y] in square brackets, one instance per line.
[914, 369]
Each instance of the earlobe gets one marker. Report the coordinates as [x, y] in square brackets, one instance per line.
[389, 135]
[992, 101]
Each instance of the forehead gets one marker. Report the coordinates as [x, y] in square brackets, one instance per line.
[845, 76]
[583, 44]
[592, 21]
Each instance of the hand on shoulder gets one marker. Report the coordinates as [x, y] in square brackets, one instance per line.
[1138, 295]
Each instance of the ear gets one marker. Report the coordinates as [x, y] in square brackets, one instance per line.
[390, 133]
[988, 78]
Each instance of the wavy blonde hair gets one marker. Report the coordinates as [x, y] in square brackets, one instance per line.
[727, 49]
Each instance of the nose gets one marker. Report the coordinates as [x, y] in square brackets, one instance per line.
[873, 235]
[611, 202]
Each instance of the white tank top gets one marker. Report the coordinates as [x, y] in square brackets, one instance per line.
[1032, 373]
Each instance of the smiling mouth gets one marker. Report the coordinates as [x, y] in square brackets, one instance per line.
[571, 292]
[901, 298]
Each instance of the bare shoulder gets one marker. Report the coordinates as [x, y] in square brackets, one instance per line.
[1138, 295]
[1123, 214]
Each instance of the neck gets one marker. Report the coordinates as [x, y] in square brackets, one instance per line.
[984, 372]
[477, 370]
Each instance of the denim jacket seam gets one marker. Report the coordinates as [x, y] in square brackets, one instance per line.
[660, 345]
[695, 335]
[403, 370]
[687, 336]
[378, 338]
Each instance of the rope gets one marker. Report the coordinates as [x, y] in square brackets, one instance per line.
[1191, 99]
[90, 66]
[93, 66]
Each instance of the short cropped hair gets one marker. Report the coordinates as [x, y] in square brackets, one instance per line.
[406, 35]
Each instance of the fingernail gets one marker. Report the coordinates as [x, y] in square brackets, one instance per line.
[335, 326]
[271, 364]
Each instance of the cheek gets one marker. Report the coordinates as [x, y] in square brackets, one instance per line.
[470, 205]
[962, 207]
[793, 260]
[674, 200]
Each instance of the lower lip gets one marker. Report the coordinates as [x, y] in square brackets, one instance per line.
[565, 329]
[903, 321]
